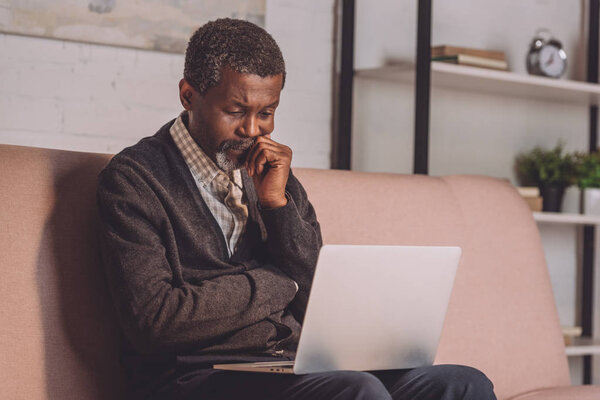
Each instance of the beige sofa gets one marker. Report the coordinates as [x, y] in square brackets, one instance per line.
[58, 338]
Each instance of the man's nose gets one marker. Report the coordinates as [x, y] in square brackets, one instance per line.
[251, 127]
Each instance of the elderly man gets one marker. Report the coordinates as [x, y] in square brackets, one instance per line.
[210, 243]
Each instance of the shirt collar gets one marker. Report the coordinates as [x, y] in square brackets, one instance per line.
[202, 166]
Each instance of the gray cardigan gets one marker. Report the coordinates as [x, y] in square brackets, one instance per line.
[176, 291]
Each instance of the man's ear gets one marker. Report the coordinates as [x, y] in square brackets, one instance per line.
[186, 94]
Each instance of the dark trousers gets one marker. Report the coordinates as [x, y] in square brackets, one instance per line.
[440, 382]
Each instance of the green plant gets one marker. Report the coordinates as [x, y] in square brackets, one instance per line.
[588, 170]
[544, 168]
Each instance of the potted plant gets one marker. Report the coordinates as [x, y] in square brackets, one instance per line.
[588, 180]
[550, 170]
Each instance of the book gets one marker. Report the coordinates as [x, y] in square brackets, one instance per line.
[573, 331]
[535, 203]
[570, 332]
[531, 195]
[474, 61]
[444, 51]
[529, 191]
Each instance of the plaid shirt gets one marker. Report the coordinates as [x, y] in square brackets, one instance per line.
[222, 194]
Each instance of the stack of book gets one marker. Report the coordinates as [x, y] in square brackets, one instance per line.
[570, 332]
[473, 57]
[531, 194]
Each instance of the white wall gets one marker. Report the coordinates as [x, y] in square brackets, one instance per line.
[474, 133]
[76, 96]
[85, 97]
[305, 33]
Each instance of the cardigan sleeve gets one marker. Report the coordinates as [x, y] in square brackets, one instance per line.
[294, 240]
[157, 312]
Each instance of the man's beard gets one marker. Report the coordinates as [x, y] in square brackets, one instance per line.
[227, 164]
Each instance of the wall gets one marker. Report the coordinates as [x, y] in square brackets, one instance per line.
[474, 133]
[305, 33]
[77, 96]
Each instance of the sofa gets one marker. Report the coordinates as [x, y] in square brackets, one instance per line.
[59, 338]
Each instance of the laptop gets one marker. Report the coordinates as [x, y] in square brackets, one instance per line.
[371, 308]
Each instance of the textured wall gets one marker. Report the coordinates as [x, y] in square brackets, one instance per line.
[86, 97]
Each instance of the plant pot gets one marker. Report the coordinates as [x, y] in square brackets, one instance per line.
[590, 201]
[553, 197]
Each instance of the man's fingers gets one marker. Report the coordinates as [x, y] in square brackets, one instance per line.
[265, 155]
[252, 155]
[250, 160]
[261, 160]
[264, 152]
[268, 163]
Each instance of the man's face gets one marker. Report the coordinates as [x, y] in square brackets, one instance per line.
[226, 121]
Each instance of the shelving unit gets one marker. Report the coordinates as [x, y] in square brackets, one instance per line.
[426, 74]
[564, 218]
[482, 80]
[583, 347]
[580, 346]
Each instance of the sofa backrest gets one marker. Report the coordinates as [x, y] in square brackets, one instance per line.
[502, 318]
[59, 339]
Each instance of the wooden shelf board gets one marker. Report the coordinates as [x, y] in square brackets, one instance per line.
[583, 346]
[484, 80]
[565, 218]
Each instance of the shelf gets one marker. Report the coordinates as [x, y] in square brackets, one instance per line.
[583, 347]
[492, 81]
[564, 218]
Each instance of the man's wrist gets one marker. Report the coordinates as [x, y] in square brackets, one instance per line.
[277, 204]
[274, 203]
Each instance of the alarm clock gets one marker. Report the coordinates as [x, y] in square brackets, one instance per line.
[546, 56]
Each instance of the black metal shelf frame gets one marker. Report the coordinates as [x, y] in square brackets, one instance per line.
[587, 305]
[342, 137]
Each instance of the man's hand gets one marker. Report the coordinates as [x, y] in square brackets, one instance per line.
[268, 164]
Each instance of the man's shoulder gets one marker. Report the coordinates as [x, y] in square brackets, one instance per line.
[150, 153]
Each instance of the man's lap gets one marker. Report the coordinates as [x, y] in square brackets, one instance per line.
[443, 382]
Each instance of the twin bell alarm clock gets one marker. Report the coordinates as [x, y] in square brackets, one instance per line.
[546, 56]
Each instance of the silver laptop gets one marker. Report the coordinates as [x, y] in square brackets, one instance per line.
[371, 308]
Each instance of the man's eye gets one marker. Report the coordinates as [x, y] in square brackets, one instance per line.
[266, 114]
[235, 112]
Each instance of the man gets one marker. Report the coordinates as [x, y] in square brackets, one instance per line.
[210, 243]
